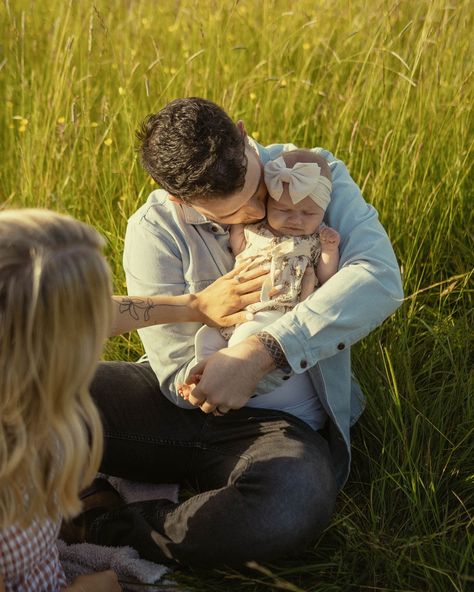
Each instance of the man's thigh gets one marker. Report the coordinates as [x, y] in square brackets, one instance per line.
[147, 438]
[254, 440]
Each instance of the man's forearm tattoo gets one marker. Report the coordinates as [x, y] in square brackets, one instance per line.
[134, 306]
[274, 350]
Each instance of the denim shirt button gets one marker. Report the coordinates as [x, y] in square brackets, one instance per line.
[303, 364]
[214, 228]
[340, 346]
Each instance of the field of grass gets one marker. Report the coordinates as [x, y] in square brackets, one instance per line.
[385, 85]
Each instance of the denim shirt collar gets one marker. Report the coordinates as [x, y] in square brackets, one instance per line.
[192, 216]
[262, 152]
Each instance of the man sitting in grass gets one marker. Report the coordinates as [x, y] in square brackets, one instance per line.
[264, 482]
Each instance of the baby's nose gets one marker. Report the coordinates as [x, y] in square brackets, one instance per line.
[296, 215]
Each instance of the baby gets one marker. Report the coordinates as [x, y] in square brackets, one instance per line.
[301, 251]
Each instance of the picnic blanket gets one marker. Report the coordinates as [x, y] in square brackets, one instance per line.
[83, 558]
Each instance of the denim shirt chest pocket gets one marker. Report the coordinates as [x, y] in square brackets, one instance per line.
[209, 256]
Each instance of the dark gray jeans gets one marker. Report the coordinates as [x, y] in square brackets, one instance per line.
[263, 479]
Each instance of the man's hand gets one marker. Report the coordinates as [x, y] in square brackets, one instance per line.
[221, 304]
[228, 378]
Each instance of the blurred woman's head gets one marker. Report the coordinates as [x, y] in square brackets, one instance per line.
[55, 299]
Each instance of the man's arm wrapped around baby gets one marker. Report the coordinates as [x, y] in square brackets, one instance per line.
[294, 270]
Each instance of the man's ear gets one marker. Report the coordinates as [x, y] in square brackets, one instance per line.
[175, 199]
[241, 126]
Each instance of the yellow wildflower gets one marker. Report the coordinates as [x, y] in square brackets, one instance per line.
[61, 120]
[108, 141]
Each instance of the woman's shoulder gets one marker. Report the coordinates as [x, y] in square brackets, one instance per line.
[28, 553]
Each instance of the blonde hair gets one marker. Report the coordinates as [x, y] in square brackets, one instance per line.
[55, 307]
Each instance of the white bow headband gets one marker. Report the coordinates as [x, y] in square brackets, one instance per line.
[305, 180]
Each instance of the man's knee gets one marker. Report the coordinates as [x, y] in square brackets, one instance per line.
[314, 506]
[306, 502]
[297, 502]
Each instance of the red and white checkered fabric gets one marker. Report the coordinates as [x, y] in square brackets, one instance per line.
[29, 559]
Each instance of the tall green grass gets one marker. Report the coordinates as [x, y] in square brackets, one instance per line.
[387, 86]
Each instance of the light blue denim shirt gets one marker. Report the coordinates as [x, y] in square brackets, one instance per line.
[172, 249]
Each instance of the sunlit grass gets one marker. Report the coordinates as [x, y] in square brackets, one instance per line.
[386, 86]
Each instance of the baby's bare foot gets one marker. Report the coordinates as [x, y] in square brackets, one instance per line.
[185, 389]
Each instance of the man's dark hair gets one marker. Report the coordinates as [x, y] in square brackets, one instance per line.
[193, 150]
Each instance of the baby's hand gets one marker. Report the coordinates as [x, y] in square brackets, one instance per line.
[329, 238]
[184, 389]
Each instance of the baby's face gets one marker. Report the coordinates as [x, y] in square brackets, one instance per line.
[295, 220]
